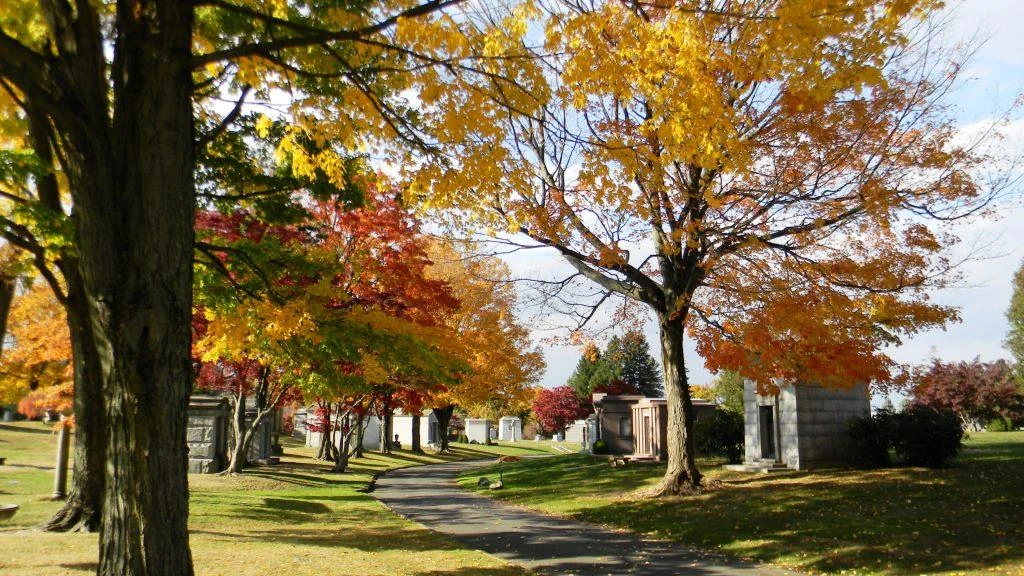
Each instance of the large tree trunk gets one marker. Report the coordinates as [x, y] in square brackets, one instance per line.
[135, 218]
[81, 511]
[444, 417]
[681, 475]
[415, 445]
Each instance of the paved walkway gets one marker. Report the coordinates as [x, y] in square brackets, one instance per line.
[428, 495]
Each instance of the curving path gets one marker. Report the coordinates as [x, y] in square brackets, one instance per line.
[428, 495]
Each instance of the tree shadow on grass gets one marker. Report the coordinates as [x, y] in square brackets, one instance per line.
[81, 566]
[9, 428]
[350, 534]
[475, 571]
[891, 522]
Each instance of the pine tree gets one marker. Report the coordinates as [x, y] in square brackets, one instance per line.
[638, 367]
[627, 358]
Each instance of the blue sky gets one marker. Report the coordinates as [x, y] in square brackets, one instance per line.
[996, 79]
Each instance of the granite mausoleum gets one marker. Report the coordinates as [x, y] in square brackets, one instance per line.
[803, 426]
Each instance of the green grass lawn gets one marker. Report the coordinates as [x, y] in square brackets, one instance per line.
[964, 519]
[296, 518]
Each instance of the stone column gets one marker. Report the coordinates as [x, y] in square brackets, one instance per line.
[60, 479]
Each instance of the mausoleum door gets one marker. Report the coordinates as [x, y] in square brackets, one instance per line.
[766, 427]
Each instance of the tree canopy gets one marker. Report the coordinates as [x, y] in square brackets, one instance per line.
[625, 358]
[764, 175]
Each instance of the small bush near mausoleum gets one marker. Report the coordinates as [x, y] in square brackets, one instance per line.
[918, 436]
[722, 434]
[600, 447]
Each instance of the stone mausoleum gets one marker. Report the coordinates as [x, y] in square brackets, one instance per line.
[636, 426]
[207, 434]
[802, 426]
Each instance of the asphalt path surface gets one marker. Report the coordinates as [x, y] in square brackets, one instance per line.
[544, 544]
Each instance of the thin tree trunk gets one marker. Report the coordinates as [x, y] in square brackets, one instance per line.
[444, 417]
[81, 510]
[326, 434]
[8, 285]
[681, 474]
[415, 444]
[385, 424]
[239, 450]
[360, 435]
[341, 462]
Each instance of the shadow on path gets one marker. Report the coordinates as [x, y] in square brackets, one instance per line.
[428, 495]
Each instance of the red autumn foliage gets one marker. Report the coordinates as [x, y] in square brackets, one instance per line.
[975, 390]
[556, 408]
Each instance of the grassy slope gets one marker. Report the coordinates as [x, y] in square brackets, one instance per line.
[965, 519]
[294, 519]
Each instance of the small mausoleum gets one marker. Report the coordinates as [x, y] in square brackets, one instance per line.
[583, 432]
[478, 430]
[265, 443]
[207, 434]
[634, 425]
[510, 428]
[801, 426]
[402, 425]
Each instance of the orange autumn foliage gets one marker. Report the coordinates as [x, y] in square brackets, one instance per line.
[36, 370]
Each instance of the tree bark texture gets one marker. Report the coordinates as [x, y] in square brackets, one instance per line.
[681, 474]
[135, 213]
[8, 285]
[81, 510]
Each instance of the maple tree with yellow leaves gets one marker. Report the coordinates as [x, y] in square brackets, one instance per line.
[502, 364]
[770, 178]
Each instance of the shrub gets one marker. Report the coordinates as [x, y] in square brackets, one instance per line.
[924, 436]
[600, 447]
[462, 438]
[721, 433]
[999, 424]
[872, 439]
[919, 436]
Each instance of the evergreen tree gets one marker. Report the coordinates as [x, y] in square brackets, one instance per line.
[638, 367]
[581, 379]
[1015, 315]
[627, 358]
